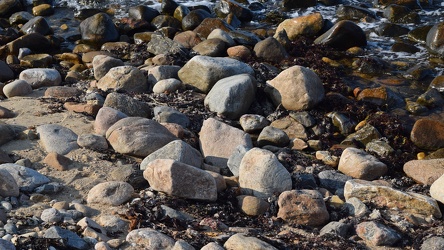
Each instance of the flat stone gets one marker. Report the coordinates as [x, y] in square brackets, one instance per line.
[240, 241]
[179, 179]
[56, 138]
[336, 228]
[68, 238]
[361, 165]
[253, 122]
[262, 175]
[27, 179]
[384, 196]
[57, 161]
[303, 207]
[87, 108]
[112, 193]
[62, 92]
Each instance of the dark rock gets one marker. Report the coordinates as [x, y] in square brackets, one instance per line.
[419, 34]
[37, 24]
[428, 134]
[243, 37]
[270, 50]
[181, 11]
[211, 47]
[392, 30]
[330, 2]
[164, 45]
[293, 4]
[224, 7]
[168, 7]
[7, 134]
[194, 18]
[400, 14]
[98, 29]
[127, 105]
[143, 12]
[210, 24]
[20, 17]
[405, 47]
[7, 7]
[343, 35]
[69, 239]
[420, 72]
[85, 13]
[166, 21]
[435, 39]
[347, 12]
[371, 65]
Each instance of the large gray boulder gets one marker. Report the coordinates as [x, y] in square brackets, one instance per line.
[56, 138]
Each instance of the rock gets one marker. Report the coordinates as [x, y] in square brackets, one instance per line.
[92, 141]
[34, 41]
[335, 228]
[149, 239]
[7, 132]
[17, 88]
[379, 147]
[222, 35]
[361, 165]
[98, 29]
[86, 108]
[309, 25]
[175, 214]
[333, 181]
[291, 127]
[424, 171]
[364, 135]
[4, 114]
[41, 77]
[428, 134]
[6, 245]
[217, 149]
[20, 17]
[342, 122]
[211, 47]
[400, 14]
[112, 193]
[211, 246]
[203, 72]
[143, 12]
[194, 18]
[138, 136]
[163, 45]
[182, 245]
[58, 162]
[253, 123]
[384, 196]
[270, 50]
[124, 78]
[162, 72]
[165, 114]
[68, 239]
[167, 86]
[303, 207]
[224, 7]
[56, 138]
[127, 105]
[51, 215]
[244, 37]
[297, 88]
[408, 3]
[8, 185]
[240, 241]
[43, 10]
[103, 63]
[431, 98]
[436, 191]
[347, 12]
[106, 117]
[113, 223]
[434, 242]
[377, 234]
[235, 159]
[231, 97]
[272, 136]
[356, 207]
[27, 179]
[210, 24]
[188, 39]
[9, 6]
[176, 150]
[6, 72]
[251, 205]
[179, 179]
[435, 40]
[343, 35]
[37, 24]
[62, 92]
[262, 175]
[239, 52]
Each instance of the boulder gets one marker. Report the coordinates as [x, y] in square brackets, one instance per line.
[98, 29]
[343, 35]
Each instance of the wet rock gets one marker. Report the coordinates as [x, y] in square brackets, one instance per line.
[419, 72]
[434, 242]
[163, 45]
[225, 7]
[43, 10]
[188, 39]
[435, 39]
[20, 17]
[138, 136]
[170, 85]
[162, 72]
[231, 97]
[253, 122]
[112, 193]
[361, 165]
[428, 134]
[17, 88]
[292, 4]
[6, 73]
[180, 12]
[34, 41]
[56, 138]
[142, 12]
[392, 30]
[270, 50]
[335, 228]
[103, 63]
[98, 29]
[343, 35]
[405, 47]
[342, 122]
[408, 3]
[106, 117]
[149, 239]
[377, 234]
[202, 72]
[438, 83]
[217, 149]
[364, 135]
[92, 141]
[296, 88]
[303, 207]
[168, 6]
[383, 196]
[240, 241]
[211, 47]
[419, 34]
[127, 105]
[124, 78]
[194, 18]
[400, 14]
[379, 147]
[10, 6]
[163, 21]
[179, 179]
[243, 37]
[222, 35]
[347, 12]
[177, 150]
[372, 66]
[41, 77]
[36, 61]
[37, 24]
[431, 98]
[273, 136]
[210, 24]
[57, 161]
[165, 114]
[68, 239]
[262, 175]
[8, 185]
[27, 179]
[251, 205]
[309, 25]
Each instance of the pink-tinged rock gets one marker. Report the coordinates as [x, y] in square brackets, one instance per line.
[377, 234]
[361, 165]
[106, 117]
[428, 134]
[424, 171]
